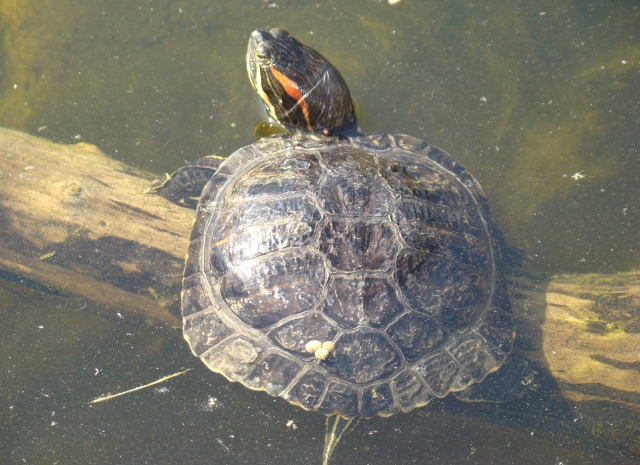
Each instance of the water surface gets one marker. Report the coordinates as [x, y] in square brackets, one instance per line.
[539, 100]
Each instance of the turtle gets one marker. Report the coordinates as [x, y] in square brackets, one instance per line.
[350, 274]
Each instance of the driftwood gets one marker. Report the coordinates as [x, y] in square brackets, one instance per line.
[77, 224]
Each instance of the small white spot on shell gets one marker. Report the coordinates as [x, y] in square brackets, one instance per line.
[321, 354]
[312, 346]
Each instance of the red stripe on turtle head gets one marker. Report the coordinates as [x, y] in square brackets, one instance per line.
[293, 90]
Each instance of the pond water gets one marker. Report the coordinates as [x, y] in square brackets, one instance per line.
[540, 101]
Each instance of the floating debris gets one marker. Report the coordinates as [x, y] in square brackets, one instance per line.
[578, 175]
[47, 255]
[102, 399]
[209, 406]
[223, 445]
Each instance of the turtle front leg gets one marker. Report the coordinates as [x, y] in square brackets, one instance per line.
[184, 186]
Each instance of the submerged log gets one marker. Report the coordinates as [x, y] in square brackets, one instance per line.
[77, 224]
[586, 330]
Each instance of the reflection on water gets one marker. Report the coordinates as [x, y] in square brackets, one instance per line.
[538, 100]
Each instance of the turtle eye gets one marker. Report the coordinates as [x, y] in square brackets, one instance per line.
[260, 54]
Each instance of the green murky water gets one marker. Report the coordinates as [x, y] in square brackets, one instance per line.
[539, 100]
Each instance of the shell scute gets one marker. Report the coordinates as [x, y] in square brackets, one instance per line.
[443, 289]
[275, 287]
[409, 391]
[377, 399]
[497, 329]
[211, 191]
[340, 398]
[194, 298]
[477, 357]
[238, 159]
[355, 195]
[416, 335]
[442, 374]
[452, 232]
[358, 245]
[422, 181]
[362, 357]
[410, 143]
[278, 175]
[273, 373]
[233, 358]
[308, 390]
[347, 160]
[251, 229]
[293, 335]
[205, 331]
[358, 300]
[194, 263]
[199, 224]
[377, 141]
[445, 160]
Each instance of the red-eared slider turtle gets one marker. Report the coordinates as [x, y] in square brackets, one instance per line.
[353, 275]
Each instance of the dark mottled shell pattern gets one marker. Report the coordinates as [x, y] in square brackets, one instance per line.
[381, 244]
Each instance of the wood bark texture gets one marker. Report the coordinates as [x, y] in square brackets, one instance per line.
[78, 224]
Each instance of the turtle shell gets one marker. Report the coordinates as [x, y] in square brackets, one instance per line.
[381, 244]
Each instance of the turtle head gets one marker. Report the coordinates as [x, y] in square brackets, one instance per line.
[300, 88]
